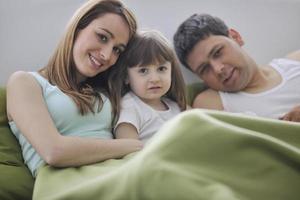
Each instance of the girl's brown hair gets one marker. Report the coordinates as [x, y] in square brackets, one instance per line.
[61, 69]
[146, 48]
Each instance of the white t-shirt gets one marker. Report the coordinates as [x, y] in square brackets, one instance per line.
[143, 117]
[273, 103]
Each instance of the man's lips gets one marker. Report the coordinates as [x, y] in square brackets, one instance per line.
[229, 75]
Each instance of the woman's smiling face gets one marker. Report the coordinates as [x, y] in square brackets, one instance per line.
[98, 46]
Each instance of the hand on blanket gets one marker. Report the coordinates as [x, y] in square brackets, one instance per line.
[293, 115]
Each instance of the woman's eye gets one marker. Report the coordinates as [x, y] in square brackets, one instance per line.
[117, 50]
[102, 38]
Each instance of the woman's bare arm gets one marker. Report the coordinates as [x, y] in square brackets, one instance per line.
[26, 107]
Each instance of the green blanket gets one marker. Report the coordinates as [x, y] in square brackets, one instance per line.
[198, 155]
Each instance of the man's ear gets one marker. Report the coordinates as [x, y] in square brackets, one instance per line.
[236, 36]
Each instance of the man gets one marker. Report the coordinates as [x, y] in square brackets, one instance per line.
[206, 46]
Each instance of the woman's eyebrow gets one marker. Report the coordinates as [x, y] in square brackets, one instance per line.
[112, 36]
[107, 31]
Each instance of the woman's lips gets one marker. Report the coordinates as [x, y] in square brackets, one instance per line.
[96, 63]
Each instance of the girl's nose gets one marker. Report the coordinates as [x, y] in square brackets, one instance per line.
[154, 77]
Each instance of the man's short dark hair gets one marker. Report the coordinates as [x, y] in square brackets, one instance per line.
[194, 29]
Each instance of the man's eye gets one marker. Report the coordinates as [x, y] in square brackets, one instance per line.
[204, 69]
[218, 53]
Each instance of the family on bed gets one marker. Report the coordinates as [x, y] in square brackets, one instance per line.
[108, 88]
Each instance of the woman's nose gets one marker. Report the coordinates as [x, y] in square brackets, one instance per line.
[105, 53]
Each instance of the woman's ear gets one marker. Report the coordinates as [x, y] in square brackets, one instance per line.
[236, 36]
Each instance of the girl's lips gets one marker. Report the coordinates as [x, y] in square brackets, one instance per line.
[153, 88]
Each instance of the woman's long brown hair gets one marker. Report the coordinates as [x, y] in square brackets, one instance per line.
[61, 69]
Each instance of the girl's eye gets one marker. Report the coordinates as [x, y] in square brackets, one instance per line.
[143, 70]
[162, 68]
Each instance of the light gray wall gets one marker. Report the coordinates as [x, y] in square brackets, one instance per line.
[30, 30]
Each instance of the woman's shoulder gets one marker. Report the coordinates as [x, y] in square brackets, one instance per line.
[21, 85]
[27, 79]
[19, 75]
[20, 78]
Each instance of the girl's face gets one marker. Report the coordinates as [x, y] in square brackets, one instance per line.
[150, 82]
[98, 46]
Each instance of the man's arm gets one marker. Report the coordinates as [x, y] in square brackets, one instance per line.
[208, 99]
[293, 115]
[294, 55]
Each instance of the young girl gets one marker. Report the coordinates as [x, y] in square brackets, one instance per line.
[151, 85]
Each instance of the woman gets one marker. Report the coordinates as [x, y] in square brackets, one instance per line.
[62, 114]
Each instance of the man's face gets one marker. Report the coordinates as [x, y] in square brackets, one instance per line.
[221, 63]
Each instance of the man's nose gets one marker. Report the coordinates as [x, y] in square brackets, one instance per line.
[218, 67]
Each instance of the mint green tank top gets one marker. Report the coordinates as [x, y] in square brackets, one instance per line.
[67, 120]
